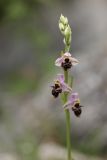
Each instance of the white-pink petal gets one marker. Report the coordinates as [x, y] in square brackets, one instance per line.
[74, 61]
[67, 54]
[67, 105]
[65, 87]
[59, 61]
[74, 96]
[60, 77]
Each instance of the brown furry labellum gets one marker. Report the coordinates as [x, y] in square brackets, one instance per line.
[77, 109]
[66, 64]
[56, 90]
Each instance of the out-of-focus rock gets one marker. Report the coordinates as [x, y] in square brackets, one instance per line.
[7, 156]
[52, 151]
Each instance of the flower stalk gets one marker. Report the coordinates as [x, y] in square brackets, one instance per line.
[68, 125]
[61, 84]
[67, 41]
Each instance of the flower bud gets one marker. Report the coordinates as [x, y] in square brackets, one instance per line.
[61, 27]
[66, 21]
[63, 20]
[67, 31]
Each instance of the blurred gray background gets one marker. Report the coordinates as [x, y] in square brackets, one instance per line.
[32, 122]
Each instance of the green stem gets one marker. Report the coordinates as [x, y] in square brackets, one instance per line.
[67, 48]
[68, 139]
[67, 113]
[68, 133]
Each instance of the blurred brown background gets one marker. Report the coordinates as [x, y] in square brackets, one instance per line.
[32, 123]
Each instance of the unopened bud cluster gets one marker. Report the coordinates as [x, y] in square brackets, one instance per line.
[65, 30]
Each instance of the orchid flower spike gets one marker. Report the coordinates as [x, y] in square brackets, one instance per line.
[74, 104]
[66, 61]
[60, 86]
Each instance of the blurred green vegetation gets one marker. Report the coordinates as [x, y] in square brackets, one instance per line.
[26, 147]
[16, 11]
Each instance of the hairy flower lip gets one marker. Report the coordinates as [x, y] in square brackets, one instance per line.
[62, 86]
[61, 59]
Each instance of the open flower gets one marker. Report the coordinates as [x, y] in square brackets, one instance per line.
[74, 104]
[60, 86]
[66, 61]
